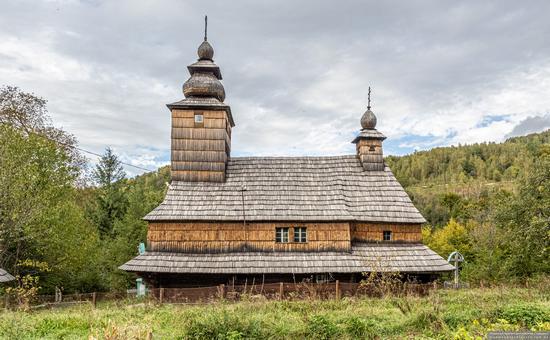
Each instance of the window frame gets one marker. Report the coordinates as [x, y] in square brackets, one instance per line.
[280, 233]
[199, 121]
[388, 233]
[300, 235]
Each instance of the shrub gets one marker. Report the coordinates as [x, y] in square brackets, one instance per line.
[215, 325]
[526, 315]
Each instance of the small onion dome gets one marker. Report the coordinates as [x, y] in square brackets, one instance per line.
[204, 85]
[368, 121]
[205, 51]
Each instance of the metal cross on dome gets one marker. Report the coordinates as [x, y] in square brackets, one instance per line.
[368, 104]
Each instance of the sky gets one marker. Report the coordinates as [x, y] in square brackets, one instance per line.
[296, 73]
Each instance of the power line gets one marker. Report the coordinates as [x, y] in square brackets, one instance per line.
[98, 155]
[80, 149]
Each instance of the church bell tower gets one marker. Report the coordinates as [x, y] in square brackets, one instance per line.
[201, 123]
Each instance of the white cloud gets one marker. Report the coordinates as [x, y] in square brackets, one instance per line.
[295, 76]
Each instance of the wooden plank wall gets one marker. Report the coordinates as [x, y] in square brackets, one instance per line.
[232, 236]
[371, 155]
[200, 151]
[373, 232]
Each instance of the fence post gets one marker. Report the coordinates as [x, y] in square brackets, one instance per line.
[221, 290]
[161, 295]
[94, 299]
[281, 290]
[338, 289]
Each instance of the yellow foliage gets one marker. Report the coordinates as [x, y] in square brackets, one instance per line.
[453, 236]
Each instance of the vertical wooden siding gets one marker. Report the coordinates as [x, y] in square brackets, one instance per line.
[374, 232]
[234, 236]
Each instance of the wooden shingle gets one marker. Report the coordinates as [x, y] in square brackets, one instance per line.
[291, 188]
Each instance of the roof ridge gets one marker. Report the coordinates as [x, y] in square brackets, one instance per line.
[336, 157]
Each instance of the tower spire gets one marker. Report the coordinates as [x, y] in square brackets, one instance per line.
[369, 141]
[205, 27]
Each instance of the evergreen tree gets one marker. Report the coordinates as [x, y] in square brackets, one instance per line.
[110, 201]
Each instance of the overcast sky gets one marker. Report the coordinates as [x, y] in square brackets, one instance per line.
[296, 73]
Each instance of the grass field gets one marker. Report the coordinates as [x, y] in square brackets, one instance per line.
[445, 314]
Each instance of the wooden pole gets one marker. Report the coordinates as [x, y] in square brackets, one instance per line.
[222, 291]
[338, 289]
[6, 301]
[263, 280]
[456, 272]
[94, 299]
[281, 290]
[161, 295]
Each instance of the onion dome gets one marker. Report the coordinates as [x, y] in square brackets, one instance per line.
[202, 84]
[205, 51]
[368, 126]
[205, 75]
[368, 121]
[204, 90]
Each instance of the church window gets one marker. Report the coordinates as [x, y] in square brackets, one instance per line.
[199, 118]
[281, 235]
[300, 234]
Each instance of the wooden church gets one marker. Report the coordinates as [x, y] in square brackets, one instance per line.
[274, 218]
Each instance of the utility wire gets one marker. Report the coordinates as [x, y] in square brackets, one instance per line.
[98, 155]
[83, 150]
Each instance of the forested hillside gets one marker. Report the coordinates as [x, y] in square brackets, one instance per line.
[490, 201]
[460, 181]
[483, 162]
[65, 224]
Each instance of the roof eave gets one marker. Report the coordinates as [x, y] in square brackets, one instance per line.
[226, 108]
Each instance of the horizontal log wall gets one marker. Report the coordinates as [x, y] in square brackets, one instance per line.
[232, 236]
[373, 232]
[200, 150]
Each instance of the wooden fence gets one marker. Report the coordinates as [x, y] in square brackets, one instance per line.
[269, 291]
[286, 291]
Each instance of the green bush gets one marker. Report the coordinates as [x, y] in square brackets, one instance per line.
[222, 326]
[525, 315]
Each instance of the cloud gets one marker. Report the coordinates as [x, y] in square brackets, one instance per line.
[530, 125]
[296, 77]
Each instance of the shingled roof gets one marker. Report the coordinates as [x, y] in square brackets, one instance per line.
[364, 257]
[291, 189]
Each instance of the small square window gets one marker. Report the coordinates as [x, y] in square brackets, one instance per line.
[199, 118]
[281, 235]
[387, 235]
[300, 234]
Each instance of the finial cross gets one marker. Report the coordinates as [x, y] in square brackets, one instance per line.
[368, 104]
[205, 26]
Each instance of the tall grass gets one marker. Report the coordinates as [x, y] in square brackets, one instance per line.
[443, 314]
